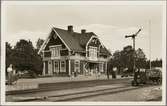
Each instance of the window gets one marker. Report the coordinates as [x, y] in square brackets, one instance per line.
[55, 51]
[56, 69]
[93, 52]
[77, 66]
[63, 67]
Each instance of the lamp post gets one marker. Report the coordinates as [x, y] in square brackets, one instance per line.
[133, 36]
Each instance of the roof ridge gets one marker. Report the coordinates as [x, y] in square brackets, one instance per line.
[76, 32]
[65, 30]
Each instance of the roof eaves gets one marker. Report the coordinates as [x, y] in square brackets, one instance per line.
[62, 39]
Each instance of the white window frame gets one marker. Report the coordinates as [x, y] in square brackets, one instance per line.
[77, 68]
[92, 52]
[56, 70]
[54, 49]
[62, 70]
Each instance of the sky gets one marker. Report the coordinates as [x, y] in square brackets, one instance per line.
[110, 22]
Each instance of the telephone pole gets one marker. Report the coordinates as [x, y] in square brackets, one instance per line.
[133, 36]
[150, 42]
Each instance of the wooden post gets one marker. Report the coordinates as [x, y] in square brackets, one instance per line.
[107, 71]
[43, 67]
[69, 67]
[106, 66]
[51, 68]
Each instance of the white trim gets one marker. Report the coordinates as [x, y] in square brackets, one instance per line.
[78, 66]
[93, 57]
[44, 44]
[49, 67]
[55, 49]
[101, 69]
[64, 66]
[102, 44]
[61, 39]
[69, 67]
[88, 43]
[93, 47]
[43, 68]
[58, 64]
[47, 40]
[54, 46]
[106, 67]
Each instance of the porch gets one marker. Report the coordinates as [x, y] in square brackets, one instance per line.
[95, 68]
[56, 67]
[67, 67]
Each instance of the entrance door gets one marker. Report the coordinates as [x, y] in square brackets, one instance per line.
[101, 67]
[63, 66]
[46, 67]
[56, 67]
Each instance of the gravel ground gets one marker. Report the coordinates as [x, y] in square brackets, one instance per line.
[149, 93]
[152, 93]
[60, 92]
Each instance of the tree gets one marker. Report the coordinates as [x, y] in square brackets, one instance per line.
[8, 53]
[37, 62]
[23, 54]
[128, 58]
[140, 58]
[116, 60]
[156, 63]
[24, 57]
[124, 59]
[8, 49]
[39, 43]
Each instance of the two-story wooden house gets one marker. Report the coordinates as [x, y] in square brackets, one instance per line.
[66, 51]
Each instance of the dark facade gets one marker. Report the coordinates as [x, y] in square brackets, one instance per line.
[65, 52]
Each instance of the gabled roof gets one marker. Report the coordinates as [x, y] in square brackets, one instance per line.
[73, 40]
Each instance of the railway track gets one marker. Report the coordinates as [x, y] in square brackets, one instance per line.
[58, 92]
[80, 95]
[68, 85]
[74, 96]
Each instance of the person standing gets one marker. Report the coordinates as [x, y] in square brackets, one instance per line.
[114, 72]
[10, 73]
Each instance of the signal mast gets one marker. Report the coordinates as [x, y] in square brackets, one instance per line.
[133, 36]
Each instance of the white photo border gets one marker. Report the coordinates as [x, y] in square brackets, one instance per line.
[6, 3]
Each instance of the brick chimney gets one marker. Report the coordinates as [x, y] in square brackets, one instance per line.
[70, 28]
[83, 31]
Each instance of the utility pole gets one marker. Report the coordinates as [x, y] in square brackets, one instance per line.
[150, 42]
[133, 36]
